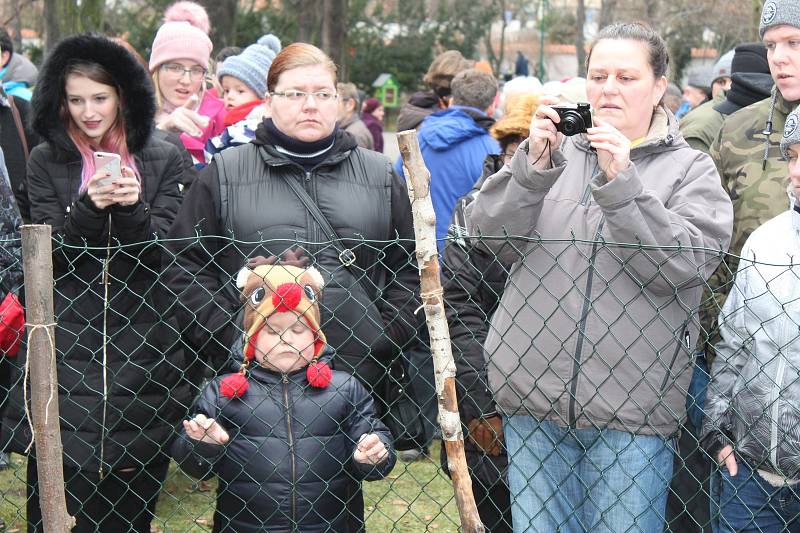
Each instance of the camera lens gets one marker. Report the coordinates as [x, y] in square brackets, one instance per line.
[572, 123]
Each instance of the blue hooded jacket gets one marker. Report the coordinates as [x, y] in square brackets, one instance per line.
[453, 146]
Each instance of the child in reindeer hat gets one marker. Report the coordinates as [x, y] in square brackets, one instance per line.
[287, 437]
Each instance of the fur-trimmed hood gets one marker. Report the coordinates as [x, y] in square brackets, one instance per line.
[133, 81]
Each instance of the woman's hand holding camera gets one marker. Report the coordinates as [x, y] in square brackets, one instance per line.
[613, 148]
[103, 192]
[543, 133]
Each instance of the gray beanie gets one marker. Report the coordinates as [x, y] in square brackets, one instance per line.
[700, 77]
[778, 12]
[252, 65]
[723, 66]
[791, 132]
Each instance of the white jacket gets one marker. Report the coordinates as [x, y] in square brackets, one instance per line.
[754, 395]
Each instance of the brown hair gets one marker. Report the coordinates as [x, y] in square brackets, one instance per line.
[637, 31]
[298, 55]
[444, 67]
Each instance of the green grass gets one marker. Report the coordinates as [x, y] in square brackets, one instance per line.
[414, 497]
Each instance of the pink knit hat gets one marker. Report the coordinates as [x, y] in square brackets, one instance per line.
[180, 40]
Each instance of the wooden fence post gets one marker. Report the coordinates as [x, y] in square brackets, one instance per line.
[418, 182]
[37, 262]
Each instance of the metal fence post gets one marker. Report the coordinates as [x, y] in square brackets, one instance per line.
[37, 256]
[418, 182]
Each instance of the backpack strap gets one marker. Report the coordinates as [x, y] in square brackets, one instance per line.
[18, 122]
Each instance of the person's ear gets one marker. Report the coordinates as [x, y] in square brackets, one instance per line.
[5, 57]
[660, 89]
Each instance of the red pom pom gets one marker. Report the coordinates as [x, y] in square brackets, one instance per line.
[287, 297]
[319, 374]
[234, 385]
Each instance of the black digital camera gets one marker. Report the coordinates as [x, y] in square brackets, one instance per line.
[575, 119]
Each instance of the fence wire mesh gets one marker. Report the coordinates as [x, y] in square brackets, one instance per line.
[574, 372]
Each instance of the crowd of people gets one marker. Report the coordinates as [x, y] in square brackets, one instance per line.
[620, 290]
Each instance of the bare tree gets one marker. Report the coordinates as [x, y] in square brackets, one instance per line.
[222, 14]
[496, 58]
[580, 45]
[334, 32]
[607, 9]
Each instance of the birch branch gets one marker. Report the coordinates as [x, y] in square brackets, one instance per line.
[418, 182]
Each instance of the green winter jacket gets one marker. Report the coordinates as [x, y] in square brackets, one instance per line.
[701, 126]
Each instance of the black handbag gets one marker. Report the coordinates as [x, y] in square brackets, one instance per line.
[395, 404]
[398, 410]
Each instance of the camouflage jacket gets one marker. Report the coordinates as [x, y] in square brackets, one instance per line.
[701, 126]
[757, 188]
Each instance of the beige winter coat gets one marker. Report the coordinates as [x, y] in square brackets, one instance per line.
[596, 321]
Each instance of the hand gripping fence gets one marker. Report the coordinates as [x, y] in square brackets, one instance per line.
[644, 364]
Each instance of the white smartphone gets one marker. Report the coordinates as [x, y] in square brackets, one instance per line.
[109, 162]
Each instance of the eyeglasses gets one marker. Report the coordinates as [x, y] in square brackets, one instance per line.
[175, 70]
[301, 96]
[507, 157]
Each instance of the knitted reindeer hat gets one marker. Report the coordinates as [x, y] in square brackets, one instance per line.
[270, 289]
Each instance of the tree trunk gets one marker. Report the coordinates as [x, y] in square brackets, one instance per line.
[334, 32]
[580, 45]
[222, 14]
[496, 58]
[37, 257]
[308, 22]
[607, 13]
[52, 27]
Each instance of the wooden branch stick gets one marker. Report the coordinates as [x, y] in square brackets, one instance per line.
[37, 262]
[418, 181]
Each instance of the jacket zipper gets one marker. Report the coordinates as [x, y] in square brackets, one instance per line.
[576, 364]
[774, 398]
[291, 447]
[311, 223]
[105, 352]
[686, 344]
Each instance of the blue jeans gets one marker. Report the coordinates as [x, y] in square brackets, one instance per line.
[748, 504]
[575, 480]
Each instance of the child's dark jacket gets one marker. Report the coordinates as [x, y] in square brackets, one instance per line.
[285, 468]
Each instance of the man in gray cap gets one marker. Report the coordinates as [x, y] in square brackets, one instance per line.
[696, 91]
[721, 74]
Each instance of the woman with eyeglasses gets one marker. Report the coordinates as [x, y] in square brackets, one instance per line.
[269, 196]
[119, 357]
[178, 64]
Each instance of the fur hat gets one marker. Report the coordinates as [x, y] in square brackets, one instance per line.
[791, 132]
[517, 117]
[180, 40]
[130, 76]
[252, 65]
[270, 289]
[778, 12]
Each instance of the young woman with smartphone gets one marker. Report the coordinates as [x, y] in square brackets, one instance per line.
[118, 358]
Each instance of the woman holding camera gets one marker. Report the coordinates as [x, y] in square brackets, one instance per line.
[614, 232]
[119, 362]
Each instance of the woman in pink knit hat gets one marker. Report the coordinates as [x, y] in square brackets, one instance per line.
[178, 64]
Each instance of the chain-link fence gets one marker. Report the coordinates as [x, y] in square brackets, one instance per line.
[574, 377]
